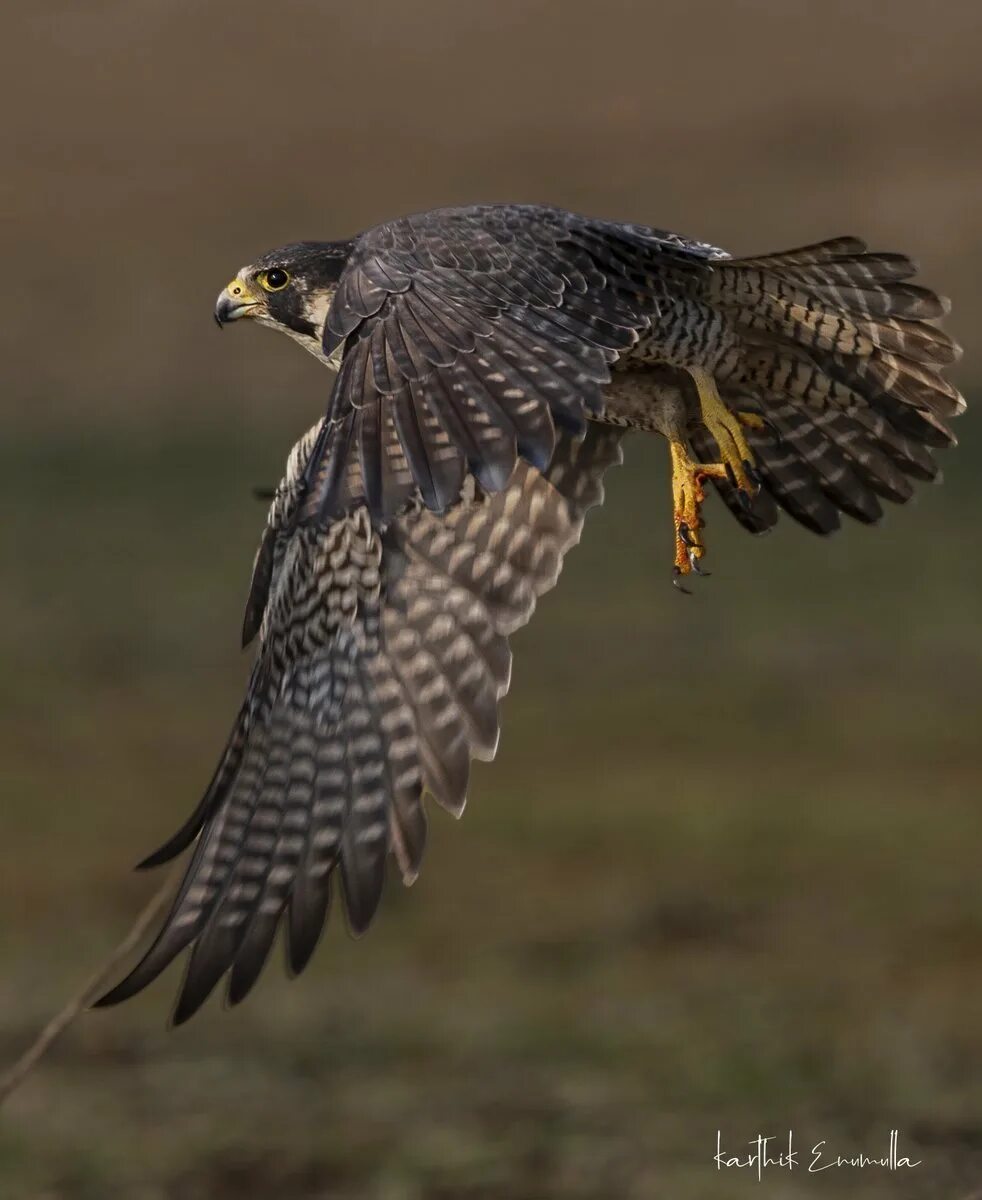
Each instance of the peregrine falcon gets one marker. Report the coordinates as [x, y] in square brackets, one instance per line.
[486, 362]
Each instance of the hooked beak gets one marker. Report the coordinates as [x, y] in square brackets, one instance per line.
[235, 300]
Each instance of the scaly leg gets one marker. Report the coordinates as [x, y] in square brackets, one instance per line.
[687, 496]
[726, 428]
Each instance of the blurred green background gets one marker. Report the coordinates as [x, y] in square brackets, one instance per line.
[725, 871]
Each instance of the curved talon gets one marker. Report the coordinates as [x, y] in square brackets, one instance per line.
[677, 581]
[752, 473]
[688, 495]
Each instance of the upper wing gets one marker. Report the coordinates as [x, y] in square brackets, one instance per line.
[382, 659]
[467, 335]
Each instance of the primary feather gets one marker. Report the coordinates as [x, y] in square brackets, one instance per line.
[382, 660]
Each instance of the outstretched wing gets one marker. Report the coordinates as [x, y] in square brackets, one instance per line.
[467, 336]
[382, 659]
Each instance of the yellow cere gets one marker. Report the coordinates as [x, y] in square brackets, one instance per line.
[238, 289]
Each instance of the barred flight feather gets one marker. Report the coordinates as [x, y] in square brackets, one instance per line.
[382, 660]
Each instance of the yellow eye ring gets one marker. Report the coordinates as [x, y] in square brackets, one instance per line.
[273, 280]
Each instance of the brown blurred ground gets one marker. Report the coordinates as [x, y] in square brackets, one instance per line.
[724, 873]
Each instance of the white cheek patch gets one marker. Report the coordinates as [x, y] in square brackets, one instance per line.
[313, 345]
[317, 307]
[314, 309]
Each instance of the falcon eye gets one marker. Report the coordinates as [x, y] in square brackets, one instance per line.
[275, 279]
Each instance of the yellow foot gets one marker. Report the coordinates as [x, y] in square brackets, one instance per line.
[687, 497]
[737, 457]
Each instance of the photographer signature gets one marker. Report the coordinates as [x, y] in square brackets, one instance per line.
[767, 1152]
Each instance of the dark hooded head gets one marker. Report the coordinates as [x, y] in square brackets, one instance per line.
[288, 289]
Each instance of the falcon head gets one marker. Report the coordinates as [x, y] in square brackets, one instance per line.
[288, 289]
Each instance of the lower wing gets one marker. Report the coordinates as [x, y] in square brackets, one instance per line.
[382, 661]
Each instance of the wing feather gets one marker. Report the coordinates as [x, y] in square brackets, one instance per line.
[382, 661]
[439, 295]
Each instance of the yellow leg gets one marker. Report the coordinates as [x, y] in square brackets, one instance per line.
[687, 497]
[726, 428]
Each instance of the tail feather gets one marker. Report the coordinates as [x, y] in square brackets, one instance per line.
[867, 268]
[793, 483]
[881, 376]
[816, 252]
[816, 464]
[785, 376]
[850, 314]
[911, 456]
[788, 482]
[876, 469]
[907, 300]
[837, 476]
[841, 359]
[848, 321]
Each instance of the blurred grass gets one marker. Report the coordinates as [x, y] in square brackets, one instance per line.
[723, 874]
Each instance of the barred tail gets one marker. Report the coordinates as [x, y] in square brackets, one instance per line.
[841, 365]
